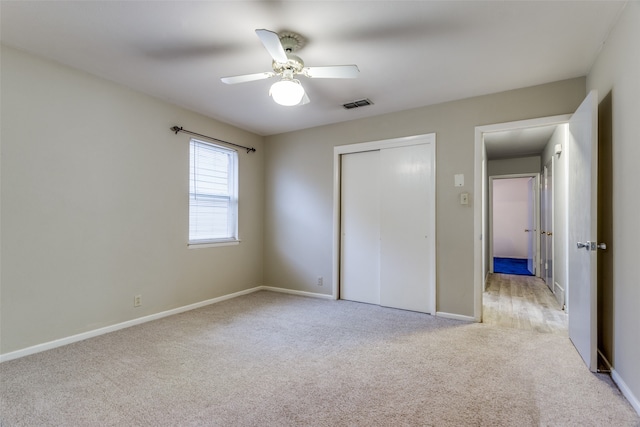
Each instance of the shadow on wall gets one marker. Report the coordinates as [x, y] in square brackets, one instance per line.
[605, 227]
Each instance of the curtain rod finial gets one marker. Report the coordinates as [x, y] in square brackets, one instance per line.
[176, 129]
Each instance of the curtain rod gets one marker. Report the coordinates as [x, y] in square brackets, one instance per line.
[177, 129]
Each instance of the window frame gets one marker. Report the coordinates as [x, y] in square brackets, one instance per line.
[232, 196]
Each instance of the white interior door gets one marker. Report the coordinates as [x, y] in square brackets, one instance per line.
[405, 232]
[582, 205]
[531, 226]
[360, 227]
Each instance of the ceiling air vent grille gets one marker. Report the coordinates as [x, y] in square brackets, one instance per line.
[356, 104]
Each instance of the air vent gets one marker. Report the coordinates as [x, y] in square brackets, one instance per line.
[356, 104]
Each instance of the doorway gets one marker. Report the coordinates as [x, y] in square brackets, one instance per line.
[580, 236]
[513, 224]
[546, 227]
[515, 145]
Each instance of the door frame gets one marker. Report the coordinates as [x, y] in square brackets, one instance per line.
[480, 187]
[338, 151]
[550, 207]
[536, 216]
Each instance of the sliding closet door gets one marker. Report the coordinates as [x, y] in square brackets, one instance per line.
[360, 227]
[405, 218]
[387, 226]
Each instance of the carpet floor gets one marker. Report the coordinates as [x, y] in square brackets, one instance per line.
[270, 359]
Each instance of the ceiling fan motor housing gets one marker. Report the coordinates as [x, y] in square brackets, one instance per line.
[295, 64]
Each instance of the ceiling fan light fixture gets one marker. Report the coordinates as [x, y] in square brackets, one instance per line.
[287, 92]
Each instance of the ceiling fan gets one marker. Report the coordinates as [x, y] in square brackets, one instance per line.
[288, 90]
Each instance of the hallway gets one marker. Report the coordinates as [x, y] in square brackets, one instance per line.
[522, 302]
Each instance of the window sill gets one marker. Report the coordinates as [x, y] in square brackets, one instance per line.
[196, 245]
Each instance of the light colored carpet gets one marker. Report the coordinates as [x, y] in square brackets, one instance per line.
[269, 359]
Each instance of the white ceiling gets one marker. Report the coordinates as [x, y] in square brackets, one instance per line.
[523, 142]
[410, 53]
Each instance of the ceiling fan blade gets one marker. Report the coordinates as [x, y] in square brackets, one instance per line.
[332, 72]
[305, 99]
[247, 78]
[271, 42]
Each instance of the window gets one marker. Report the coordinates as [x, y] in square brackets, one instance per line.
[213, 194]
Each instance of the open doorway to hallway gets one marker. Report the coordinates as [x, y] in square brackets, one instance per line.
[520, 149]
[578, 246]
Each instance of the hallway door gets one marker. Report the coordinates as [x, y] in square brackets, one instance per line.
[531, 226]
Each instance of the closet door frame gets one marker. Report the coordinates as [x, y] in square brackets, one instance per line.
[338, 151]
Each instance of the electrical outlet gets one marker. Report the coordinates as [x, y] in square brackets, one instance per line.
[320, 281]
[137, 301]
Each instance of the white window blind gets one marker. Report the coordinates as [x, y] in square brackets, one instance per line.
[213, 193]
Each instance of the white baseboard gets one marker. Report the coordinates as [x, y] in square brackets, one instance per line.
[101, 331]
[455, 316]
[294, 292]
[626, 391]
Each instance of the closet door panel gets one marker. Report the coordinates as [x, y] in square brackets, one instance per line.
[405, 258]
[360, 227]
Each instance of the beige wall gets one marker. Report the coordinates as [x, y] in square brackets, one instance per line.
[299, 185]
[560, 210]
[529, 164]
[616, 71]
[95, 203]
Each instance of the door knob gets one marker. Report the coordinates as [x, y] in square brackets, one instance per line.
[549, 233]
[592, 246]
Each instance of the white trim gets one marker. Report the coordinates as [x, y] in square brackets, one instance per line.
[626, 391]
[455, 316]
[404, 141]
[536, 217]
[203, 245]
[299, 293]
[478, 208]
[338, 151]
[107, 329]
